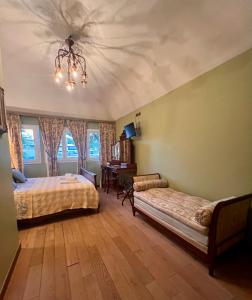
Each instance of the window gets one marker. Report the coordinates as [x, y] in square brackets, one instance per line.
[31, 144]
[67, 149]
[93, 144]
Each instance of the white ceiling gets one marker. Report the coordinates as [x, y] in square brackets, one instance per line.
[136, 50]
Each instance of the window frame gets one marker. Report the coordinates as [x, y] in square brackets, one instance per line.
[37, 144]
[91, 130]
[64, 158]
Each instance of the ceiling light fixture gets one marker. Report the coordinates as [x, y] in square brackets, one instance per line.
[70, 60]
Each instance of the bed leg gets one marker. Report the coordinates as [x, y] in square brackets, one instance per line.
[98, 209]
[211, 266]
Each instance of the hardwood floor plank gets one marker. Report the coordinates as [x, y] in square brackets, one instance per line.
[33, 282]
[122, 231]
[111, 231]
[186, 291]
[160, 271]
[156, 291]
[129, 281]
[71, 253]
[77, 287]
[104, 280]
[81, 248]
[92, 287]
[207, 286]
[62, 288]
[141, 271]
[47, 291]
[17, 285]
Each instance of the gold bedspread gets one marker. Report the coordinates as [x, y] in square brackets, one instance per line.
[47, 195]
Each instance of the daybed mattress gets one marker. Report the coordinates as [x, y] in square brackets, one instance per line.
[189, 234]
[176, 211]
[47, 195]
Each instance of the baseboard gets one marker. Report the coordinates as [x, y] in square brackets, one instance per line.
[8, 277]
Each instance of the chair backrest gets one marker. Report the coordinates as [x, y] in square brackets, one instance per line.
[146, 177]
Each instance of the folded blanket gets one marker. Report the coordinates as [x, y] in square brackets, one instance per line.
[69, 181]
[69, 178]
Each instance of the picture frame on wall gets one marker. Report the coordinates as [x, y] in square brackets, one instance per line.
[3, 121]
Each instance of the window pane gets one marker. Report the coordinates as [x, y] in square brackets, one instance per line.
[70, 146]
[60, 151]
[28, 141]
[94, 145]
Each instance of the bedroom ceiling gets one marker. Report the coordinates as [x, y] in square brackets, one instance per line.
[136, 51]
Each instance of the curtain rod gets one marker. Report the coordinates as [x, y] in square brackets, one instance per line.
[34, 115]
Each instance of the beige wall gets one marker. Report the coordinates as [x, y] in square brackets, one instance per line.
[199, 136]
[8, 228]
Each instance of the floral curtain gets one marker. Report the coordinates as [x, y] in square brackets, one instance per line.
[108, 138]
[51, 131]
[15, 141]
[78, 129]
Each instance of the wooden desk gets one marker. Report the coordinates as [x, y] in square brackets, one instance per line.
[111, 174]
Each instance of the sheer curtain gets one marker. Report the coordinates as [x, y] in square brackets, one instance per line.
[15, 141]
[108, 138]
[51, 131]
[78, 130]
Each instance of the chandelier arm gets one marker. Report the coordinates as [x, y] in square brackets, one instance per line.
[84, 62]
[60, 57]
[62, 50]
[82, 68]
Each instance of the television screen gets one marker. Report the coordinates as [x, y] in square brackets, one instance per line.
[130, 130]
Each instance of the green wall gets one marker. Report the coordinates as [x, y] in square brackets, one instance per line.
[39, 170]
[8, 228]
[199, 136]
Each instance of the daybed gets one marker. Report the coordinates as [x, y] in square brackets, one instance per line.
[207, 228]
[40, 199]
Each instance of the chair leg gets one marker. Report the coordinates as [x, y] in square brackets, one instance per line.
[124, 199]
[134, 211]
[126, 196]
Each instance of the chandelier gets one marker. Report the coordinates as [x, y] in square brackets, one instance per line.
[70, 61]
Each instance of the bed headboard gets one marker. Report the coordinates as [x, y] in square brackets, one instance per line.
[89, 175]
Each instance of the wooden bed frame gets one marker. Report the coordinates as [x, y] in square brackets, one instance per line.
[213, 245]
[68, 213]
[91, 176]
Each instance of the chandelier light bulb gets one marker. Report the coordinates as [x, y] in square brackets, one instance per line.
[74, 70]
[74, 73]
[70, 85]
[59, 74]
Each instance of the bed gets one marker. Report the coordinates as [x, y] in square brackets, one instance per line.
[40, 198]
[204, 227]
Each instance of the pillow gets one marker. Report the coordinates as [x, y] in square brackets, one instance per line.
[204, 214]
[150, 184]
[14, 185]
[18, 176]
[146, 177]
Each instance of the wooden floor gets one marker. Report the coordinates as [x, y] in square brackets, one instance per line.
[113, 255]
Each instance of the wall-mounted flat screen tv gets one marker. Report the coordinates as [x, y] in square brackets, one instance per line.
[130, 130]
